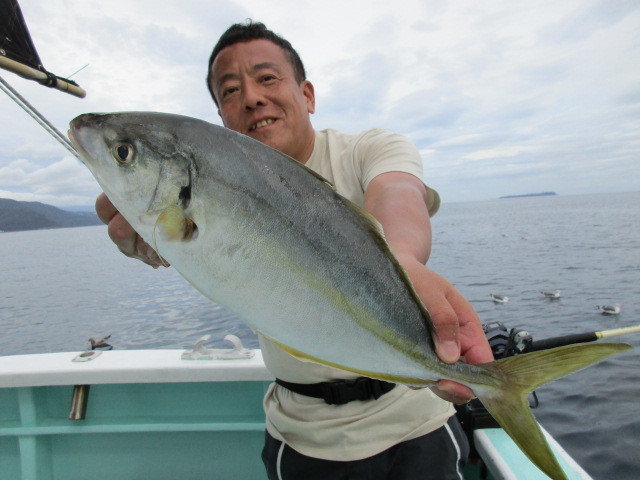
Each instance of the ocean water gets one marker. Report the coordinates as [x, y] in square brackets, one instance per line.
[60, 287]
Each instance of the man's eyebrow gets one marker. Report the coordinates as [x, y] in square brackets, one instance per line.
[255, 68]
[226, 77]
[263, 65]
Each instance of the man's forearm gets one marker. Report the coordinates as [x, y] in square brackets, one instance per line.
[397, 201]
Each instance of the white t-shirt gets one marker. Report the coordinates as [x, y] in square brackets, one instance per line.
[358, 429]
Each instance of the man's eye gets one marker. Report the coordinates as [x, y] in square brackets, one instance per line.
[268, 78]
[228, 91]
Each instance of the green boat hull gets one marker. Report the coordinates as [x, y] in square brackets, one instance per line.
[150, 415]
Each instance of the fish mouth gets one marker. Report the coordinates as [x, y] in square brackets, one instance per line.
[81, 151]
[83, 121]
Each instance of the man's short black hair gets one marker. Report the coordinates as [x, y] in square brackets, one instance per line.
[244, 32]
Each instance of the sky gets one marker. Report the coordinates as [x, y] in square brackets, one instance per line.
[499, 97]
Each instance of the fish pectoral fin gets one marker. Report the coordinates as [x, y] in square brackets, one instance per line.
[523, 374]
[173, 224]
[365, 373]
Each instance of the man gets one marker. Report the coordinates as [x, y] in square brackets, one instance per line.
[258, 83]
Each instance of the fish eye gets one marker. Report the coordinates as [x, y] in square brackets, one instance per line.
[123, 153]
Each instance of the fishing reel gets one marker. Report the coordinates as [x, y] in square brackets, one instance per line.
[507, 343]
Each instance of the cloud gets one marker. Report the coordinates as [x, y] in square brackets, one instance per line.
[497, 152]
[496, 99]
[586, 20]
[62, 183]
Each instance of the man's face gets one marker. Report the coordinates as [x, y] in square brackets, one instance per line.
[258, 95]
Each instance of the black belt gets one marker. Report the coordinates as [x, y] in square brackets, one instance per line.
[340, 392]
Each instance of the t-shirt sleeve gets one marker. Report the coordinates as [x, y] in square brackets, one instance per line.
[380, 151]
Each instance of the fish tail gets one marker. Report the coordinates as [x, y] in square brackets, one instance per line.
[524, 373]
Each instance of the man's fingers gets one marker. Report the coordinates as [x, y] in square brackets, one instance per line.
[464, 310]
[123, 235]
[434, 290]
[480, 352]
[105, 209]
[452, 392]
[446, 334]
[473, 341]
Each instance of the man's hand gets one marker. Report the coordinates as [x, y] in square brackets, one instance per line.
[458, 331]
[124, 236]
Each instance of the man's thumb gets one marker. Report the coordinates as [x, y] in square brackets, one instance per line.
[447, 342]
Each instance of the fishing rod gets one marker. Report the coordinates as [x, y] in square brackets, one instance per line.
[580, 337]
[37, 116]
[506, 343]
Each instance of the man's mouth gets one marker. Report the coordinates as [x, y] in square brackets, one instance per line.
[262, 123]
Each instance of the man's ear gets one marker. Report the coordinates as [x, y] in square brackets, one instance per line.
[309, 93]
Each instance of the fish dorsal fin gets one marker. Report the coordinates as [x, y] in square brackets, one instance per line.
[316, 174]
[375, 224]
[378, 233]
[305, 168]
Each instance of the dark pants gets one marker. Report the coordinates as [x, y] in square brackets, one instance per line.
[439, 455]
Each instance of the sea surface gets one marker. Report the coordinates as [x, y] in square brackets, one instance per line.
[60, 287]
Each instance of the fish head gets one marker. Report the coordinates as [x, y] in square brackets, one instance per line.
[138, 160]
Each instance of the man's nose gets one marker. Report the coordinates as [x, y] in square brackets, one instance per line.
[253, 97]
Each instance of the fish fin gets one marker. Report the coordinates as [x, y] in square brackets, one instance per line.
[170, 223]
[315, 174]
[376, 225]
[173, 224]
[307, 169]
[378, 233]
[365, 373]
[524, 373]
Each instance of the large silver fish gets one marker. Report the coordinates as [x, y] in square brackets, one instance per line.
[259, 233]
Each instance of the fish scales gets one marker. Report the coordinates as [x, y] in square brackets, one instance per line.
[257, 232]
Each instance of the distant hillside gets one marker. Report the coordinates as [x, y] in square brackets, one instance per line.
[16, 216]
[541, 194]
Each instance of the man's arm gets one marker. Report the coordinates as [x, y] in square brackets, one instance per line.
[397, 200]
[124, 236]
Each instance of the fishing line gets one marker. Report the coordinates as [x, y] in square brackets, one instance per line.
[80, 69]
[37, 116]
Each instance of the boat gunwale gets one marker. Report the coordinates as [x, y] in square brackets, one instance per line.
[125, 366]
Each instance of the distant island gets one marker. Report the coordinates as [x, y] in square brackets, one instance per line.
[16, 216]
[541, 194]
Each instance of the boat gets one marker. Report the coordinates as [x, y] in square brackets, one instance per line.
[609, 309]
[166, 414]
[553, 294]
[499, 298]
